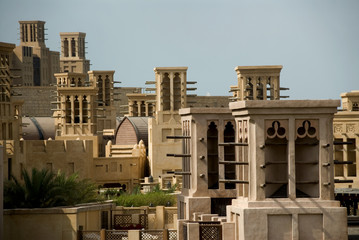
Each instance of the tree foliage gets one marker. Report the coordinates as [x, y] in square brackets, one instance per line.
[44, 188]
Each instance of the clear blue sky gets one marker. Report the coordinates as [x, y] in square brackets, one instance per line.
[316, 41]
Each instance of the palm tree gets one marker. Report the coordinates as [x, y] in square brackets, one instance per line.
[45, 189]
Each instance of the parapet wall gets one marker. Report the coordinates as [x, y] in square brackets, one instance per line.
[69, 156]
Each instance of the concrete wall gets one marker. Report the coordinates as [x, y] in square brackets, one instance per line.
[37, 100]
[69, 156]
[52, 223]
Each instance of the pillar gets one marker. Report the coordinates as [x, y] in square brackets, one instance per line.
[172, 93]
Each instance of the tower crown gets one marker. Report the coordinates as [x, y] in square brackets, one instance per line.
[73, 45]
[32, 33]
[258, 83]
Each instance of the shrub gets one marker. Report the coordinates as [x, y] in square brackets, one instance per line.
[154, 198]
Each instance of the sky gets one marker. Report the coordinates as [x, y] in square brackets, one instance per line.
[316, 41]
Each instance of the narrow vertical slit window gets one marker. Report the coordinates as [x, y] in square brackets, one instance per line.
[107, 91]
[100, 90]
[351, 151]
[177, 91]
[229, 155]
[135, 109]
[166, 92]
[68, 109]
[66, 47]
[338, 156]
[73, 48]
[77, 110]
[84, 109]
[143, 109]
[212, 156]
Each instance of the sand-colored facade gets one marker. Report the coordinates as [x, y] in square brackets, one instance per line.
[54, 223]
[284, 170]
[35, 64]
[73, 53]
[290, 172]
[346, 138]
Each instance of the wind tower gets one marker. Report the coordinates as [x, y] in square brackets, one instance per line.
[35, 61]
[85, 107]
[171, 95]
[258, 83]
[73, 53]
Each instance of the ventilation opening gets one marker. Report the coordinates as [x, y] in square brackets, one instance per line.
[307, 161]
[212, 155]
[276, 161]
[229, 155]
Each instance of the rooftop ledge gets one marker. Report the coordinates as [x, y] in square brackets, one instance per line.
[277, 104]
[159, 69]
[211, 110]
[61, 210]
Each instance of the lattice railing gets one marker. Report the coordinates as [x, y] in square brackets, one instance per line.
[210, 231]
[151, 235]
[126, 221]
[169, 215]
[89, 235]
[116, 235]
[172, 234]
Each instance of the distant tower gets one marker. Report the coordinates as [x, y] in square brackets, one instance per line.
[10, 114]
[76, 109]
[258, 83]
[73, 54]
[32, 33]
[35, 64]
[171, 95]
[103, 80]
[171, 84]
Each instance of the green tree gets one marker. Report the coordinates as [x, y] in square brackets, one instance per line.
[45, 189]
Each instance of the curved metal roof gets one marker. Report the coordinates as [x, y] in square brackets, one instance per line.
[38, 128]
[140, 125]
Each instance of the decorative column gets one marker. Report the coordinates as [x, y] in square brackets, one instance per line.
[172, 99]
[254, 88]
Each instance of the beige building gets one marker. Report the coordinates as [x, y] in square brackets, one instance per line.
[171, 95]
[73, 53]
[10, 112]
[34, 64]
[208, 166]
[290, 165]
[83, 127]
[62, 223]
[284, 174]
[346, 140]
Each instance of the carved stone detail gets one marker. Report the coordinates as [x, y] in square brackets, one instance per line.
[307, 128]
[350, 128]
[338, 128]
[276, 128]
